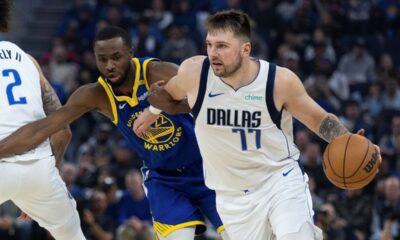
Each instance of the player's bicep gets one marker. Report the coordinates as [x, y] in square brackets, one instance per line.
[186, 82]
[298, 102]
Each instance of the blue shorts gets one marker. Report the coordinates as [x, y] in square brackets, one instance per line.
[178, 198]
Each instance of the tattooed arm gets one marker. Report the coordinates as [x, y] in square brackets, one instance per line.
[331, 127]
[59, 140]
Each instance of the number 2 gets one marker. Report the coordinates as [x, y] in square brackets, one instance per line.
[17, 82]
[242, 133]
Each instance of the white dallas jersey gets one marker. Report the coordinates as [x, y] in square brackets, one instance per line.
[20, 97]
[242, 137]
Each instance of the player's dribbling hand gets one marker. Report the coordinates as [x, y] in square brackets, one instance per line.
[143, 122]
[377, 148]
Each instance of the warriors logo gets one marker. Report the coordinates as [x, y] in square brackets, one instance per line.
[162, 134]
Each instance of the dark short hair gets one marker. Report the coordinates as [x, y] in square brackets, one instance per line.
[4, 15]
[232, 20]
[110, 32]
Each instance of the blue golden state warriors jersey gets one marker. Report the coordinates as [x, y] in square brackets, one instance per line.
[170, 143]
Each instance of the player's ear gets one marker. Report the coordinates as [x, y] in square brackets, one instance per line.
[131, 52]
[246, 48]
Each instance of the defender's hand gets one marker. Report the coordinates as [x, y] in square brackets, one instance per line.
[158, 97]
[143, 122]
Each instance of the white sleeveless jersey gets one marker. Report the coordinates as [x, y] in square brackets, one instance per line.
[20, 97]
[242, 137]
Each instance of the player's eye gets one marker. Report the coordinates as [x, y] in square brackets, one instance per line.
[116, 57]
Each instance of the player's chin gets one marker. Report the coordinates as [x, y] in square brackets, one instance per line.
[115, 81]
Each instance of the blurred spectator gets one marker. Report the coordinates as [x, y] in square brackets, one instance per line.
[320, 48]
[69, 172]
[97, 225]
[87, 170]
[61, 70]
[123, 161]
[317, 201]
[113, 194]
[391, 94]
[317, 87]
[353, 118]
[373, 101]
[384, 208]
[302, 139]
[333, 227]
[286, 10]
[101, 144]
[358, 15]
[158, 14]
[358, 66]
[386, 67]
[178, 47]
[340, 85]
[390, 143]
[114, 16]
[145, 42]
[265, 16]
[11, 228]
[134, 215]
[80, 18]
[354, 207]
[312, 164]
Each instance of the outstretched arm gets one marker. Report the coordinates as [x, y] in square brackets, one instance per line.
[32, 134]
[59, 140]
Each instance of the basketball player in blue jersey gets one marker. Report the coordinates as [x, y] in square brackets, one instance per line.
[173, 174]
[30, 179]
[243, 110]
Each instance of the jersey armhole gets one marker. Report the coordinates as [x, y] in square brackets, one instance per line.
[202, 88]
[269, 96]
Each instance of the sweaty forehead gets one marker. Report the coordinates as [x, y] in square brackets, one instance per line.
[220, 36]
[110, 46]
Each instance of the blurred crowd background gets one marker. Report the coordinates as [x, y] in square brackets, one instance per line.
[347, 53]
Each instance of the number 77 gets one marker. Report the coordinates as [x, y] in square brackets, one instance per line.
[242, 133]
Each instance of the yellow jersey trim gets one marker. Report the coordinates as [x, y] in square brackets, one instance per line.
[132, 101]
[165, 229]
[220, 229]
[109, 92]
[145, 71]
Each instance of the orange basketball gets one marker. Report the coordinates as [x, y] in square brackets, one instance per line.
[350, 161]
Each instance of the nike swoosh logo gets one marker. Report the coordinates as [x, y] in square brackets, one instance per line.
[121, 106]
[286, 173]
[214, 95]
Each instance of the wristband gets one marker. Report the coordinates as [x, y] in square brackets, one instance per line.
[154, 110]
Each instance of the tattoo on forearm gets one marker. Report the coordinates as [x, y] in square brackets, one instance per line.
[330, 128]
[49, 98]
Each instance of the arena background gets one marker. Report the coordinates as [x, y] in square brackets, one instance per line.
[347, 54]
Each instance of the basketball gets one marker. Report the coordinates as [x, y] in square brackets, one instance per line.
[350, 161]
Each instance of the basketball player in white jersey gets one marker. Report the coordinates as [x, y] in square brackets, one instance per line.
[243, 109]
[31, 180]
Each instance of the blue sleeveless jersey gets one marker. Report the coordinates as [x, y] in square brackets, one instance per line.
[170, 144]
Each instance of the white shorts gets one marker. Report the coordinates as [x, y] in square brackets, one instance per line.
[36, 187]
[277, 207]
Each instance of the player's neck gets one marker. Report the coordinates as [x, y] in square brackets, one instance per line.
[244, 75]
